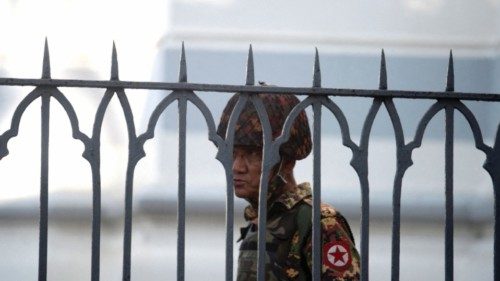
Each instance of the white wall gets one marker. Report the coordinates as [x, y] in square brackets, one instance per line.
[398, 25]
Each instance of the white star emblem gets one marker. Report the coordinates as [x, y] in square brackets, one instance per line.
[338, 255]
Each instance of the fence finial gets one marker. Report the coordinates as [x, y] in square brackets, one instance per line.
[46, 61]
[182, 67]
[383, 73]
[250, 68]
[450, 80]
[114, 63]
[317, 71]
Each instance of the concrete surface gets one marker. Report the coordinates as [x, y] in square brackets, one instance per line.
[154, 249]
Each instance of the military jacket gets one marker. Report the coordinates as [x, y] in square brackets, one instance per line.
[289, 244]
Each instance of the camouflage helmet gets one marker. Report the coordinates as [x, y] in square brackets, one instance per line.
[278, 106]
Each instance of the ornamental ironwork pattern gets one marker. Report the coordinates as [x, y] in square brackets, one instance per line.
[318, 98]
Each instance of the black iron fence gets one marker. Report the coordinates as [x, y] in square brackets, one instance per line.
[318, 98]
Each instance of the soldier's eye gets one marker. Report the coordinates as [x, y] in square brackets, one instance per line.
[255, 155]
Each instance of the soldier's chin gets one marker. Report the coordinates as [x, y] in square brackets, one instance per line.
[240, 193]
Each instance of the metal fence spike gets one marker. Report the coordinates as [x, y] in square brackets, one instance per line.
[450, 80]
[317, 71]
[183, 68]
[250, 68]
[46, 61]
[114, 63]
[383, 73]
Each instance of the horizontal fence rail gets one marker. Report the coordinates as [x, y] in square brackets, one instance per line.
[249, 89]
[318, 98]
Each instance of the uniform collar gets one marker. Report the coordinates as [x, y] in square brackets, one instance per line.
[288, 199]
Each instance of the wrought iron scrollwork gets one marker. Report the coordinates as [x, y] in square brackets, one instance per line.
[317, 98]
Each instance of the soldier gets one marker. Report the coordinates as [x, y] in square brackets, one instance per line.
[289, 223]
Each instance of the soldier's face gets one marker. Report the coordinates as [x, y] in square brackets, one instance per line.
[247, 168]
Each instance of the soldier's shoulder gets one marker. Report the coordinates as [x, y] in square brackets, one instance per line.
[327, 210]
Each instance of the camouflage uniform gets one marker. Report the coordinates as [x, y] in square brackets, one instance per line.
[289, 227]
[288, 241]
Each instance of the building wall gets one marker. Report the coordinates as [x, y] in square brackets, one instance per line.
[416, 36]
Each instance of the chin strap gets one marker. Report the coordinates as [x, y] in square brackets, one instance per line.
[278, 174]
[278, 182]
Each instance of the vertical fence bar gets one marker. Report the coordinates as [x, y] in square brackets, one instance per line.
[181, 207]
[264, 182]
[44, 171]
[496, 234]
[94, 158]
[365, 228]
[129, 181]
[267, 164]
[44, 187]
[229, 222]
[496, 239]
[227, 159]
[492, 165]
[316, 232]
[396, 205]
[396, 222]
[129, 186]
[96, 221]
[396, 195]
[228, 164]
[316, 212]
[127, 235]
[449, 123]
[261, 235]
[360, 163]
[181, 201]
[494, 170]
[134, 154]
[93, 155]
[449, 194]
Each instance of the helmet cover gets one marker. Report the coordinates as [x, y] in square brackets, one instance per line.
[278, 106]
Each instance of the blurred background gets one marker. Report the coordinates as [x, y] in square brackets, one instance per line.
[416, 35]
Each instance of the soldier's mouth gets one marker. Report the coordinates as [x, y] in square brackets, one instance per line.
[238, 183]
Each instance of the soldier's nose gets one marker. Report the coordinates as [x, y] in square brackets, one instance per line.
[238, 165]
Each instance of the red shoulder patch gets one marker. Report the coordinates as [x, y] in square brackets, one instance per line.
[337, 255]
